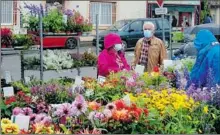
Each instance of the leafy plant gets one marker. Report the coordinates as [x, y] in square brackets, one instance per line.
[54, 21]
[6, 37]
[22, 40]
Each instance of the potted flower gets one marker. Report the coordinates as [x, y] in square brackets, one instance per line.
[20, 40]
[6, 37]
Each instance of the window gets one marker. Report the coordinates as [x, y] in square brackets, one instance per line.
[165, 24]
[51, 2]
[7, 12]
[105, 11]
[136, 26]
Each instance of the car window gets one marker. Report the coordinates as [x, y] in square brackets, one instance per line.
[165, 24]
[154, 22]
[136, 26]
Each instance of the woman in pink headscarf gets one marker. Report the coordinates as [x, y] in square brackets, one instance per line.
[112, 58]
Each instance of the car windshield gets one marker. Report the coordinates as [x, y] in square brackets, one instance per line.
[119, 24]
[165, 24]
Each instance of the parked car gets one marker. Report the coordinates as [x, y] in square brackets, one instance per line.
[131, 30]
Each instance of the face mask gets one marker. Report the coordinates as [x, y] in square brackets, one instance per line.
[147, 33]
[118, 47]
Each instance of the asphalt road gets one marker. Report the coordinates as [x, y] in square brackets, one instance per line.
[12, 63]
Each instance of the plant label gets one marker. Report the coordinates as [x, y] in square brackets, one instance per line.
[8, 91]
[167, 63]
[8, 77]
[27, 79]
[78, 80]
[101, 79]
[139, 69]
[21, 121]
[127, 100]
[65, 19]
[23, 31]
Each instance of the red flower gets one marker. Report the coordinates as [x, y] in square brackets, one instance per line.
[20, 94]
[156, 69]
[146, 112]
[10, 100]
[134, 111]
[120, 104]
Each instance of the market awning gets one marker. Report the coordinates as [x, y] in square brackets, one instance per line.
[188, 8]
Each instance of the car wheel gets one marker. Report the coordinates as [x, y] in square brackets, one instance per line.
[125, 45]
[71, 43]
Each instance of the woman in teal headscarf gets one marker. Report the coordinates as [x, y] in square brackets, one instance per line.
[206, 71]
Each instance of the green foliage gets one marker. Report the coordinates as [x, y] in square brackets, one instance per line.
[205, 11]
[22, 40]
[177, 36]
[54, 21]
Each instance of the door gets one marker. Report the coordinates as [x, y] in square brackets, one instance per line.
[184, 18]
[135, 32]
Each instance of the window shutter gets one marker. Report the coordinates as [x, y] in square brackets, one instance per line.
[7, 13]
[113, 12]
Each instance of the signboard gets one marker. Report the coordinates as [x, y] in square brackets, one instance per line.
[160, 3]
[180, 2]
[160, 11]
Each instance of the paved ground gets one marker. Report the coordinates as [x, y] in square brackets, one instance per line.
[12, 63]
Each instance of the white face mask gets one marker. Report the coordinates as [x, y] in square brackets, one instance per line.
[118, 47]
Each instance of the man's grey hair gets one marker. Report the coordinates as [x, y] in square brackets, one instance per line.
[149, 23]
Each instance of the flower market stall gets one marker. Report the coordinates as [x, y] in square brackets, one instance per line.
[125, 103]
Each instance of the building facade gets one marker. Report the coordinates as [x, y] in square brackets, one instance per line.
[215, 10]
[185, 11]
[109, 11]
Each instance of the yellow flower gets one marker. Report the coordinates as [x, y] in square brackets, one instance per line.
[155, 74]
[5, 121]
[10, 128]
[205, 109]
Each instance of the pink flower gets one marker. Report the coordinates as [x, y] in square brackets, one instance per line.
[64, 109]
[79, 106]
[39, 117]
[32, 118]
[27, 111]
[110, 106]
[130, 82]
[107, 113]
[42, 118]
[99, 115]
[47, 120]
[17, 111]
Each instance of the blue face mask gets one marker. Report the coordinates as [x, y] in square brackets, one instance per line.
[148, 33]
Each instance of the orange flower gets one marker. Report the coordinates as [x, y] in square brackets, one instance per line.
[94, 105]
[120, 115]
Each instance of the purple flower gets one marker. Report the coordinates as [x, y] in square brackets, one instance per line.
[64, 109]
[199, 94]
[79, 106]
[39, 117]
[41, 107]
[27, 111]
[17, 111]
[68, 12]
